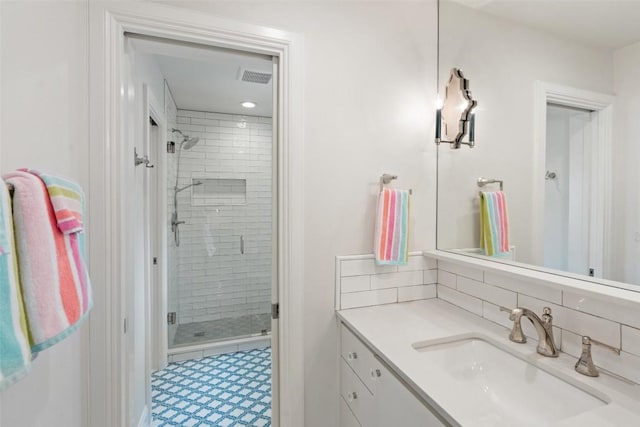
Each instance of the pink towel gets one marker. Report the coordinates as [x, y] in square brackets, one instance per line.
[55, 282]
[392, 227]
[67, 199]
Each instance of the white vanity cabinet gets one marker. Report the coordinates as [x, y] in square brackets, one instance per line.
[372, 395]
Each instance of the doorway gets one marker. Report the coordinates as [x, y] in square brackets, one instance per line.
[568, 175]
[111, 176]
[573, 134]
[218, 256]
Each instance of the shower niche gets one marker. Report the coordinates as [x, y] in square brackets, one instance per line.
[219, 192]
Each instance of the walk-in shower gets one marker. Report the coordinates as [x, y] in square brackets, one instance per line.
[220, 257]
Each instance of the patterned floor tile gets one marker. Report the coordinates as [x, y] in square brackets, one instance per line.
[228, 390]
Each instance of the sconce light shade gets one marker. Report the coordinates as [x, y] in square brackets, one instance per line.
[455, 119]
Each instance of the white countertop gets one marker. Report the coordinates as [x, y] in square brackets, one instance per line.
[390, 330]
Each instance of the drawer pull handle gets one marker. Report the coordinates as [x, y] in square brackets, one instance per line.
[352, 356]
[352, 396]
[375, 373]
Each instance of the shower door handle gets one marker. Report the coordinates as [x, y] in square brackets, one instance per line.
[242, 245]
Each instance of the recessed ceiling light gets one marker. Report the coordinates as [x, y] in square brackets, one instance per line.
[248, 104]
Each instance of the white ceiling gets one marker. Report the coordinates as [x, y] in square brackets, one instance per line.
[206, 79]
[608, 24]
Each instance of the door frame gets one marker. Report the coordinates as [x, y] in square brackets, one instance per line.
[110, 158]
[157, 281]
[602, 106]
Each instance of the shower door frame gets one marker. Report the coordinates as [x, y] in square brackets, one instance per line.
[110, 158]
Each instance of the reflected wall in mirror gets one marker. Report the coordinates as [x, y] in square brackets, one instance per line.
[560, 96]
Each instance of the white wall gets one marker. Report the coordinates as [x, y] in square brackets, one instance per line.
[502, 61]
[214, 280]
[626, 174]
[44, 125]
[369, 97]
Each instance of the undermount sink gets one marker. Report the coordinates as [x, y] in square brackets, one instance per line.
[498, 387]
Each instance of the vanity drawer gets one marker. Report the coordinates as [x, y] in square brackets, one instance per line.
[359, 357]
[356, 396]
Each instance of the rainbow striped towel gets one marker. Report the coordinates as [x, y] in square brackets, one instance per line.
[392, 227]
[53, 274]
[15, 355]
[494, 223]
[67, 199]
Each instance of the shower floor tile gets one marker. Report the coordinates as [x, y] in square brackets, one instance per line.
[228, 390]
[221, 329]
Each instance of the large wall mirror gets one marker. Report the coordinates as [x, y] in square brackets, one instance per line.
[558, 122]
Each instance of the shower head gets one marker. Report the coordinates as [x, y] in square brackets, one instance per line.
[188, 142]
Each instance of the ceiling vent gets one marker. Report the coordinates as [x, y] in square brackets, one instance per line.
[254, 76]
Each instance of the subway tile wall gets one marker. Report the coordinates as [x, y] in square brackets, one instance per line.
[360, 282]
[616, 324]
[214, 279]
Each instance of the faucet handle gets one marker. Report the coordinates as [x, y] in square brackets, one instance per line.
[547, 318]
[585, 365]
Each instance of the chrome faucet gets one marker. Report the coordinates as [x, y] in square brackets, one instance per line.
[544, 327]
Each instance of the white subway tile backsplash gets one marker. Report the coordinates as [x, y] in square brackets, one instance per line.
[609, 310]
[577, 322]
[493, 294]
[447, 279]
[631, 340]
[356, 274]
[418, 263]
[369, 298]
[465, 301]
[524, 286]
[394, 280]
[492, 312]
[356, 284]
[461, 270]
[359, 267]
[412, 293]
[430, 277]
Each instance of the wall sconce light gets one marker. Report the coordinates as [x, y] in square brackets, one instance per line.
[454, 116]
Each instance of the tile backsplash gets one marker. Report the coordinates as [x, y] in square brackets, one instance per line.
[360, 282]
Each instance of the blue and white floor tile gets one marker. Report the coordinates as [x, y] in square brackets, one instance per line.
[228, 390]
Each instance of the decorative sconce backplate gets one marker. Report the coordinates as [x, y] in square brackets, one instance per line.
[456, 119]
